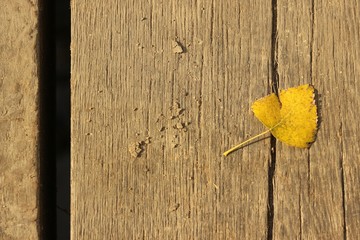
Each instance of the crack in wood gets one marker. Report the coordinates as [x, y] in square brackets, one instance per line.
[341, 163]
[274, 87]
[312, 27]
[271, 173]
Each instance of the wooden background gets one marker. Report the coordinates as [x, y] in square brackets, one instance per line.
[149, 125]
[19, 120]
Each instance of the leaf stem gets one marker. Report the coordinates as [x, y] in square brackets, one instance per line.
[245, 142]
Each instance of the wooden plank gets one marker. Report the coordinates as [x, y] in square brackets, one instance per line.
[19, 125]
[315, 194]
[294, 181]
[336, 67]
[149, 125]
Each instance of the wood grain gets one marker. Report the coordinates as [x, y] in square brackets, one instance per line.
[315, 190]
[19, 125]
[132, 94]
[337, 69]
[160, 90]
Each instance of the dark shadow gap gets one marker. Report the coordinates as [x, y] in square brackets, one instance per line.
[275, 89]
[62, 46]
[312, 27]
[274, 58]
[271, 173]
[341, 163]
[318, 104]
[47, 166]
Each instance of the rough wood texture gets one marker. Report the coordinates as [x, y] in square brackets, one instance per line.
[315, 196]
[18, 120]
[149, 123]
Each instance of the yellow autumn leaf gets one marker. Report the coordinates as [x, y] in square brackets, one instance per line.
[291, 117]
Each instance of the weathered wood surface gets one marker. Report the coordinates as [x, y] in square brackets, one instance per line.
[315, 194]
[132, 92]
[19, 123]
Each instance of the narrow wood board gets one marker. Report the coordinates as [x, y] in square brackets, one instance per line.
[159, 91]
[316, 191]
[19, 125]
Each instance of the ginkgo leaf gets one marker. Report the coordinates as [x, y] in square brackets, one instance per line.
[291, 117]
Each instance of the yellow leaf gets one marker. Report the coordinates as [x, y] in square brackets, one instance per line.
[291, 117]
